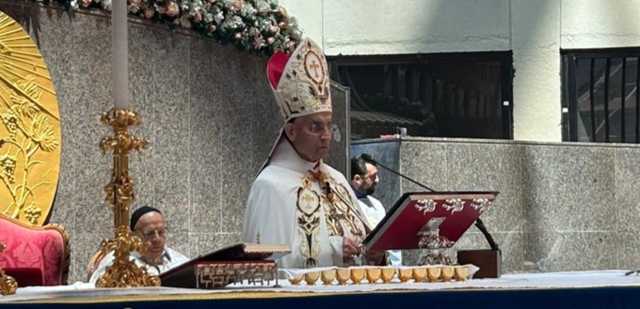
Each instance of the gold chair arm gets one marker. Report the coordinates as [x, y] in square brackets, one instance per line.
[8, 285]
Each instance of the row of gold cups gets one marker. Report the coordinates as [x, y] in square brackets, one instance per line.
[357, 275]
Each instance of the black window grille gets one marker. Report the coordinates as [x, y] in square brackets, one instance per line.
[600, 95]
[443, 95]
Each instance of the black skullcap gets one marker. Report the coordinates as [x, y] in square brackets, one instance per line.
[139, 213]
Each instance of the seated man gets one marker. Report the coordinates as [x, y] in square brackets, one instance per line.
[149, 224]
[364, 179]
[297, 199]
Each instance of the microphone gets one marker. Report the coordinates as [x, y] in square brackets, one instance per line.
[479, 224]
[369, 159]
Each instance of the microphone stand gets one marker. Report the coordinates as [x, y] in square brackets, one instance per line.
[479, 224]
[487, 235]
[369, 159]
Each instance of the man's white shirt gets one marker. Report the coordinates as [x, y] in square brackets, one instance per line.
[170, 259]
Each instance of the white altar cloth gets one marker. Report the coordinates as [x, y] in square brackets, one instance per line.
[558, 280]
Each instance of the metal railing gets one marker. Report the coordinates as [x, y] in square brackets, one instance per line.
[600, 95]
[451, 94]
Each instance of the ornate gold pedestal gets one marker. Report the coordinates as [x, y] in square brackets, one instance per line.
[8, 285]
[433, 246]
[119, 193]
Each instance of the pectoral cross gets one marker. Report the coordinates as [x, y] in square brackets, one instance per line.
[315, 66]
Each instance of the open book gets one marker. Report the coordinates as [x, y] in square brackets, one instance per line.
[449, 214]
[221, 263]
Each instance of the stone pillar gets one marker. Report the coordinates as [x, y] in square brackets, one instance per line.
[535, 41]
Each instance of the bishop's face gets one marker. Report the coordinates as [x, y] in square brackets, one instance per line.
[311, 135]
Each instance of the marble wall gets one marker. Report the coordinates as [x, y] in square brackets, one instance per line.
[207, 112]
[211, 119]
[562, 206]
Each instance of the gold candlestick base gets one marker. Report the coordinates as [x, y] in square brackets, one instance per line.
[8, 285]
[124, 272]
[119, 193]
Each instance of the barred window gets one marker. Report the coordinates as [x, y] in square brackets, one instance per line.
[600, 101]
[442, 95]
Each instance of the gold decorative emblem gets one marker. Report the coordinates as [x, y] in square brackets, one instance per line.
[426, 205]
[341, 215]
[213, 275]
[313, 67]
[480, 204]
[342, 193]
[8, 285]
[308, 217]
[453, 205]
[29, 128]
[304, 86]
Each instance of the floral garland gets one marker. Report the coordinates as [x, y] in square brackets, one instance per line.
[260, 26]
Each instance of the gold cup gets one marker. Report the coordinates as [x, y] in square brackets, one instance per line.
[388, 273]
[420, 274]
[447, 273]
[311, 277]
[461, 273]
[327, 276]
[343, 275]
[405, 274]
[434, 273]
[373, 274]
[295, 280]
[357, 274]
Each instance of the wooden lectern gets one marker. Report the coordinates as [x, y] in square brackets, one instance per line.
[432, 221]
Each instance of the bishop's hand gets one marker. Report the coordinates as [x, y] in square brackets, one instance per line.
[376, 258]
[350, 250]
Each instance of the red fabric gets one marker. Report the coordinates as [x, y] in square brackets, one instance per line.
[27, 248]
[25, 276]
[275, 67]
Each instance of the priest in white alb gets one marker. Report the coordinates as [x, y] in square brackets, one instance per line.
[297, 199]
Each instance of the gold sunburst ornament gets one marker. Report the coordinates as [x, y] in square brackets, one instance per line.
[29, 128]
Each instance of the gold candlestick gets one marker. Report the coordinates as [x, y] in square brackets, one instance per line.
[119, 193]
[8, 285]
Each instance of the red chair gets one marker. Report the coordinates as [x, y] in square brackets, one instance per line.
[34, 255]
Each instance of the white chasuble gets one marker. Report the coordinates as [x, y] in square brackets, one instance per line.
[308, 206]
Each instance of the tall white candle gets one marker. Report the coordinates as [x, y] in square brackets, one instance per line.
[119, 54]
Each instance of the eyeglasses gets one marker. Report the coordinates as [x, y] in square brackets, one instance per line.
[318, 127]
[151, 233]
